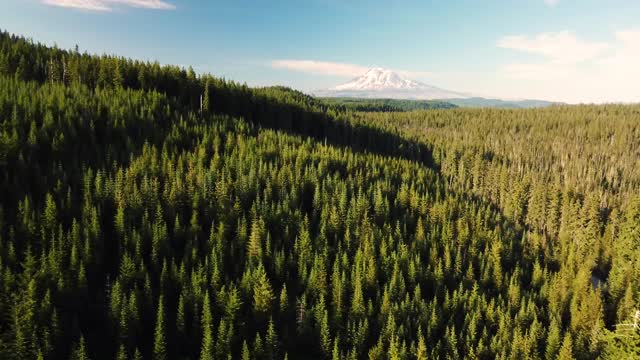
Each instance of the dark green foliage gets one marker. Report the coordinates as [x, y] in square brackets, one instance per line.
[386, 105]
[137, 222]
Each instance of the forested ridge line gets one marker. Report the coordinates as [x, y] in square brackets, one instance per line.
[385, 105]
[138, 221]
[274, 107]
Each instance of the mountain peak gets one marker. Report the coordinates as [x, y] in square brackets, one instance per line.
[377, 71]
[378, 78]
[385, 83]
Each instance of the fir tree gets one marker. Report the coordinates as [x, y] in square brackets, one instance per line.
[262, 293]
[207, 348]
[159, 339]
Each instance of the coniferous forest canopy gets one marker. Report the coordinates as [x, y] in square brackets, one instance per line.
[148, 212]
[385, 105]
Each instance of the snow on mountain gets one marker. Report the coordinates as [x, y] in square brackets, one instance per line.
[378, 78]
[379, 83]
[383, 83]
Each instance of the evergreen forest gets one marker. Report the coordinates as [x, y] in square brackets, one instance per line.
[149, 212]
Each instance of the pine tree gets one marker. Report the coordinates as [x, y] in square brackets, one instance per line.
[262, 293]
[222, 339]
[233, 303]
[303, 249]
[207, 348]
[357, 302]
[284, 300]
[50, 213]
[118, 78]
[245, 351]
[180, 317]
[272, 341]
[104, 76]
[394, 348]
[553, 341]
[258, 348]
[421, 352]
[254, 245]
[566, 351]
[80, 352]
[206, 101]
[335, 354]
[159, 340]
[325, 335]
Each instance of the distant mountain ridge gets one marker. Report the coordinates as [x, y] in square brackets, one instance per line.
[380, 83]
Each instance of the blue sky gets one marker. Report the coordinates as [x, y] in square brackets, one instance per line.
[565, 50]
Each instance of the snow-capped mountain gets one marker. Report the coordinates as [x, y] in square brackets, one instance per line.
[383, 83]
[379, 83]
[378, 79]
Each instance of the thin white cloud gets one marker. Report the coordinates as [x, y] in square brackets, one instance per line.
[560, 48]
[93, 5]
[108, 5]
[319, 67]
[327, 68]
[147, 4]
[596, 72]
[551, 2]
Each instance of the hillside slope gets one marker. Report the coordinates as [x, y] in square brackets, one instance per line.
[150, 213]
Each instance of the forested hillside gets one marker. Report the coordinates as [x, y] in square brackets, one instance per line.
[147, 212]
